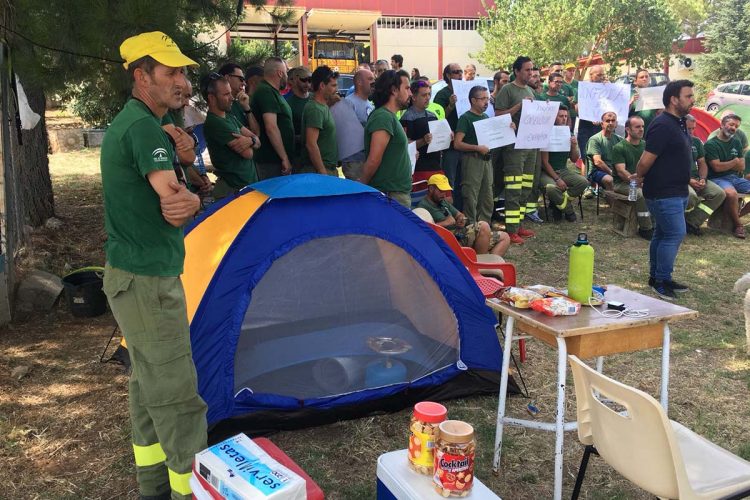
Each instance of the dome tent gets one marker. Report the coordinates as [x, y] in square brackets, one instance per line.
[317, 298]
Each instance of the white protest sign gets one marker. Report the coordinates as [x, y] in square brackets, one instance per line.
[412, 149]
[594, 99]
[650, 98]
[535, 125]
[461, 90]
[495, 132]
[559, 141]
[350, 134]
[441, 135]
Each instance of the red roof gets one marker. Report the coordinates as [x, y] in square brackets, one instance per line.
[420, 8]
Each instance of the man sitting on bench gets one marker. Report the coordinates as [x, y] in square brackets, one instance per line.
[599, 152]
[476, 235]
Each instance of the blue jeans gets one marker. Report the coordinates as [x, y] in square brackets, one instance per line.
[669, 230]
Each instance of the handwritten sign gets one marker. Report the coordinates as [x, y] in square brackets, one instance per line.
[535, 125]
[441, 135]
[495, 132]
[594, 99]
[461, 90]
[412, 149]
[559, 141]
[650, 98]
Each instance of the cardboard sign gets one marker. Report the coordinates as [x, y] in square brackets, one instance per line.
[594, 99]
[441, 135]
[559, 141]
[650, 98]
[461, 90]
[495, 132]
[536, 123]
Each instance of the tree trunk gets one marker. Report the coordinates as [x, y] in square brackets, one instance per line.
[32, 164]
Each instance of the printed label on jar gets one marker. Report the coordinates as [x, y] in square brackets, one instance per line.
[454, 472]
[420, 449]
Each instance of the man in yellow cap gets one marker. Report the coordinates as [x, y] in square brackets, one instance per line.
[145, 208]
[478, 235]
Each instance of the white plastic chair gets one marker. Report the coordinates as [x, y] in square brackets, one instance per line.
[657, 454]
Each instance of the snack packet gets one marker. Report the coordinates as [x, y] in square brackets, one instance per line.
[556, 306]
[519, 297]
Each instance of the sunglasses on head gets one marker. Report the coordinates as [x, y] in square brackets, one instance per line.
[305, 79]
[421, 83]
[215, 76]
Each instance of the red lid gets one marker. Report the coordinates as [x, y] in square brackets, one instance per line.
[432, 413]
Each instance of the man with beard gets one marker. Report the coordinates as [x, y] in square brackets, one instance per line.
[230, 144]
[704, 196]
[299, 84]
[664, 168]
[500, 79]
[599, 151]
[320, 153]
[241, 99]
[388, 168]
[586, 129]
[276, 122]
[476, 163]
[415, 121]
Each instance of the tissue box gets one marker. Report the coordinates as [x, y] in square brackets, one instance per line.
[239, 469]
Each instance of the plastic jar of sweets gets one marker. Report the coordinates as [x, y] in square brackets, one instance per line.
[425, 420]
[454, 459]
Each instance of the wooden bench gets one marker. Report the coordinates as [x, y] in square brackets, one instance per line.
[624, 214]
[721, 221]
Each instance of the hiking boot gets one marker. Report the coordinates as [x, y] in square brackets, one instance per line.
[739, 232]
[525, 233]
[646, 234]
[164, 496]
[663, 290]
[677, 287]
[515, 239]
[534, 217]
[570, 216]
[694, 230]
[557, 214]
[588, 193]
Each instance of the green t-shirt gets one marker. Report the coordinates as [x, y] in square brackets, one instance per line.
[443, 97]
[319, 116]
[698, 153]
[394, 172]
[627, 153]
[438, 212]
[558, 160]
[172, 117]
[559, 98]
[298, 107]
[647, 114]
[236, 171]
[717, 149]
[509, 96]
[602, 146]
[740, 134]
[267, 99]
[139, 240]
[239, 113]
[466, 125]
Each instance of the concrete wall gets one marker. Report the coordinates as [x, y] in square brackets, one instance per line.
[458, 44]
[419, 48]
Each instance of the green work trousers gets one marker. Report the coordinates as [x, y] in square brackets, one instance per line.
[401, 198]
[576, 183]
[641, 209]
[476, 187]
[518, 174]
[167, 415]
[536, 187]
[702, 204]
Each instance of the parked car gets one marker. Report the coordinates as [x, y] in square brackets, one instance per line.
[728, 93]
[656, 79]
[345, 82]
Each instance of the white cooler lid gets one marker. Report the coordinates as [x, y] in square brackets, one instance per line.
[198, 492]
[405, 484]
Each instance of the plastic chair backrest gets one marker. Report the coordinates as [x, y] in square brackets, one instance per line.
[638, 445]
[423, 214]
[418, 191]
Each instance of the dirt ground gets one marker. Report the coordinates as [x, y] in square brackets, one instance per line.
[64, 430]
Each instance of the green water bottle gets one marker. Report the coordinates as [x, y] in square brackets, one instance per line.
[581, 270]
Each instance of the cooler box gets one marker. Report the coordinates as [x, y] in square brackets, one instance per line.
[396, 481]
[206, 483]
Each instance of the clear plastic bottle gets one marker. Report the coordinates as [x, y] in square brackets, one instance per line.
[424, 432]
[581, 270]
[633, 190]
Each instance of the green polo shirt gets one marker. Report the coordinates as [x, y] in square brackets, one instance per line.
[624, 152]
[717, 149]
[297, 104]
[267, 99]
[509, 96]
[139, 240]
[236, 171]
[698, 153]
[239, 113]
[544, 96]
[466, 125]
[394, 172]
[740, 134]
[319, 116]
[443, 97]
[439, 212]
[559, 160]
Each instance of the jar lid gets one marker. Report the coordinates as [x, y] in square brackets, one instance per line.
[430, 412]
[456, 431]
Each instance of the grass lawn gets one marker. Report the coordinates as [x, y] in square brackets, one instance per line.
[64, 428]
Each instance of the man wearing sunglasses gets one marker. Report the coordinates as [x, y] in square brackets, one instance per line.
[241, 100]
[299, 83]
[451, 157]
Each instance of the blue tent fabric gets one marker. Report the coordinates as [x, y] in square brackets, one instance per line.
[301, 209]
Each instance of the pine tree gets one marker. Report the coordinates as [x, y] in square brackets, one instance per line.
[727, 43]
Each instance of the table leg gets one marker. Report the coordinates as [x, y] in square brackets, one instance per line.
[503, 394]
[562, 363]
[599, 363]
[664, 399]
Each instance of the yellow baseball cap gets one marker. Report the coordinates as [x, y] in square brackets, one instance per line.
[570, 66]
[439, 181]
[157, 45]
